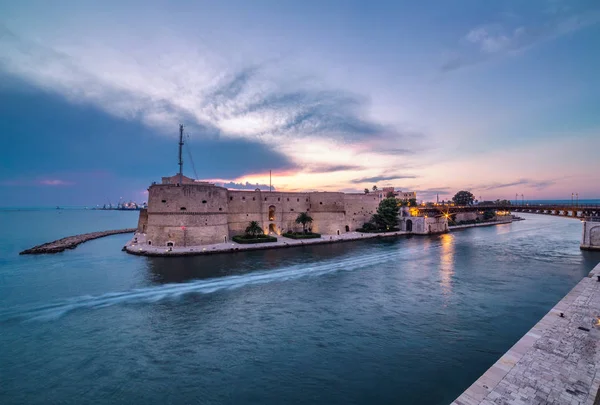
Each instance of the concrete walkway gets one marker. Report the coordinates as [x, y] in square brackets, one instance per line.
[556, 362]
[139, 245]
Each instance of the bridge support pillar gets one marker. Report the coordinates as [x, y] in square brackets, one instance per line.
[590, 239]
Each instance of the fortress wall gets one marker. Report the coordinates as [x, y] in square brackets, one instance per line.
[186, 229]
[247, 206]
[199, 208]
[187, 198]
[244, 206]
[194, 214]
[142, 221]
[359, 209]
[326, 202]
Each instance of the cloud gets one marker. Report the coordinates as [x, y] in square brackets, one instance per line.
[493, 40]
[38, 182]
[55, 182]
[376, 179]
[247, 186]
[255, 101]
[538, 185]
[323, 168]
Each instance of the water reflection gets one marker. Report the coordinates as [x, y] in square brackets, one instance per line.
[447, 262]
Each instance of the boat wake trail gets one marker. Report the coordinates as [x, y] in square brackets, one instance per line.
[172, 291]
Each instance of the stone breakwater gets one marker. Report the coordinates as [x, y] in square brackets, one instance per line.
[556, 362]
[71, 242]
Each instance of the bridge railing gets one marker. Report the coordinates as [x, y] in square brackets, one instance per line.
[592, 219]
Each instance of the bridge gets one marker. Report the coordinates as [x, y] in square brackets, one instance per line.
[567, 210]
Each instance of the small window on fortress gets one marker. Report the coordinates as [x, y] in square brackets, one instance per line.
[243, 198]
[288, 199]
[265, 198]
[307, 200]
[220, 209]
[164, 201]
[230, 198]
[291, 209]
[297, 200]
[278, 199]
[182, 208]
[321, 203]
[203, 201]
[253, 198]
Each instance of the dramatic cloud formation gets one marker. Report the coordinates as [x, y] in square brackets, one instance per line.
[302, 90]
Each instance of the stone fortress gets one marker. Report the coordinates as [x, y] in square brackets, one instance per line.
[186, 212]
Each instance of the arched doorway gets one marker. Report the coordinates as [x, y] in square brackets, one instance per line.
[409, 225]
[170, 244]
[272, 213]
[338, 231]
[272, 228]
[347, 228]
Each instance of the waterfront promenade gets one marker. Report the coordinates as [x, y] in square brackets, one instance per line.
[556, 362]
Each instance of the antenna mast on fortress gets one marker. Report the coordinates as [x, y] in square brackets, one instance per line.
[180, 157]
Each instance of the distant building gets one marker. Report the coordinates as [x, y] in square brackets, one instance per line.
[400, 195]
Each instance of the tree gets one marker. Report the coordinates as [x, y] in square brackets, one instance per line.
[304, 219]
[254, 229]
[463, 198]
[366, 191]
[390, 194]
[375, 188]
[387, 214]
[412, 202]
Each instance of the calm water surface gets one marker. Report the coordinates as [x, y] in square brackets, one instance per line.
[408, 320]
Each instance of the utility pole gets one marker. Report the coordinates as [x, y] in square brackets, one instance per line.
[577, 201]
[516, 199]
[180, 157]
[572, 195]
[522, 200]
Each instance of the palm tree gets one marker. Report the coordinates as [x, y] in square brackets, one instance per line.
[254, 229]
[304, 219]
[366, 191]
[374, 188]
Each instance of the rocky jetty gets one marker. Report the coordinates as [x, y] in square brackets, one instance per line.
[71, 242]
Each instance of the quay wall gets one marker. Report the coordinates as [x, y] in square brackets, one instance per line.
[556, 362]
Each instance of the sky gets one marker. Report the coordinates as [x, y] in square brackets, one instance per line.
[499, 98]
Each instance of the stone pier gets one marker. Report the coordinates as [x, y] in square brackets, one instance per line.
[556, 362]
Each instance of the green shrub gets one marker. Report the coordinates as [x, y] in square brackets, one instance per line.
[247, 239]
[302, 235]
